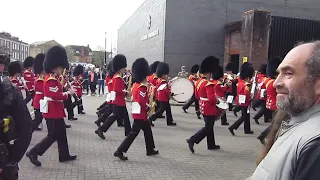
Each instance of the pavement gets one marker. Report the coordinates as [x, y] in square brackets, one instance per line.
[234, 161]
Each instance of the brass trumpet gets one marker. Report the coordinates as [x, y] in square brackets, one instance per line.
[152, 102]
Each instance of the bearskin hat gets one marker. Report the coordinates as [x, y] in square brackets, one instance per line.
[244, 65]
[195, 68]
[209, 64]
[273, 66]
[229, 67]
[111, 72]
[140, 69]
[119, 62]
[162, 69]
[247, 71]
[153, 67]
[77, 70]
[55, 57]
[14, 67]
[38, 63]
[263, 68]
[218, 73]
[28, 62]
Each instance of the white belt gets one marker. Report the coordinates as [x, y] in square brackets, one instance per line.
[204, 99]
[77, 86]
[39, 92]
[49, 99]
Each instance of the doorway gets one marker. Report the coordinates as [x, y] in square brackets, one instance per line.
[235, 61]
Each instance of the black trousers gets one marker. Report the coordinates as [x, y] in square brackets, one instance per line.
[262, 111]
[103, 109]
[37, 119]
[258, 103]
[102, 105]
[157, 107]
[269, 114]
[69, 106]
[10, 172]
[206, 131]
[119, 112]
[80, 105]
[164, 106]
[56, 132]
[93, 87]
[245, 118]
[224, 119]
[230, 104]
[136, 127]
[194, 100]
[86, 85]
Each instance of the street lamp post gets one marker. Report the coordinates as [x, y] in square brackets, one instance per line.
[105, 49]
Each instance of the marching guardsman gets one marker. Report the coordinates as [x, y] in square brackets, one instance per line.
[221, 88]
[163, 94]
[55, 63]
[243, 99]
[153, 79]
[271, 105]
[229, 76]
[237, 108]
[193, 78]
[77, 85]
[29, 78]
[140, 107]
[38, 86]
[208, 101]
[68, 104]
[15, 70]
[108, 109]
[117, 95]
[260, 96]
[104, 106]
[259, 78]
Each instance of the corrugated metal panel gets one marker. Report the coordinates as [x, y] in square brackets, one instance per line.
[286, 32]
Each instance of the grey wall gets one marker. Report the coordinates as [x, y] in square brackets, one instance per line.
[130, 33]
[194, 29]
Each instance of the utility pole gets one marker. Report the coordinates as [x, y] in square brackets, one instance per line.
[111, 45]
[105, 49]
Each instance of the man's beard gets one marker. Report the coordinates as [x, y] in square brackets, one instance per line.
[297, 101]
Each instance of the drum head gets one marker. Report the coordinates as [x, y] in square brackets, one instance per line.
[183, 88]
[223, 105]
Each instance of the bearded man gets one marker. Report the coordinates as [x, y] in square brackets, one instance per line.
[295, 155]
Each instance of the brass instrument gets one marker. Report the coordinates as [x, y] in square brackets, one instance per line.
[67, 85]
[152, 102]
[254, 85]
[129, 88]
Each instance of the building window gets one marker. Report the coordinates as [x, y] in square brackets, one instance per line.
[27, 48]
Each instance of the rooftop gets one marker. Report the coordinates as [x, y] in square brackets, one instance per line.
[8, 36]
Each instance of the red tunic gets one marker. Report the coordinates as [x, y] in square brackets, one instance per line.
[38, 87]
[140, 95]
[259, 81]
[119, 88]
[243, 90]
[16, 82]
[29, 78]
[220, 89]
[77, 85]
[193, 79]
[110, 87]
[207, 96]
[271, 102]
[164, 94]
[52, 90]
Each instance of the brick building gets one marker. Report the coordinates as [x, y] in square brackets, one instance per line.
[184, 32]
[42, 47]
[17, 49]
[79, 54]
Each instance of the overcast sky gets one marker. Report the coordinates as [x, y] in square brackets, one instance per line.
[69, 22]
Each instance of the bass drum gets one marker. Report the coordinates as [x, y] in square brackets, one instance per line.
[182, 89]
[221, 108]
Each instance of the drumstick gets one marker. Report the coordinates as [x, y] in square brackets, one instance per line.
[177, 94]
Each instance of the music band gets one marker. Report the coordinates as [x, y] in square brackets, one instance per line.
[212, 89]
